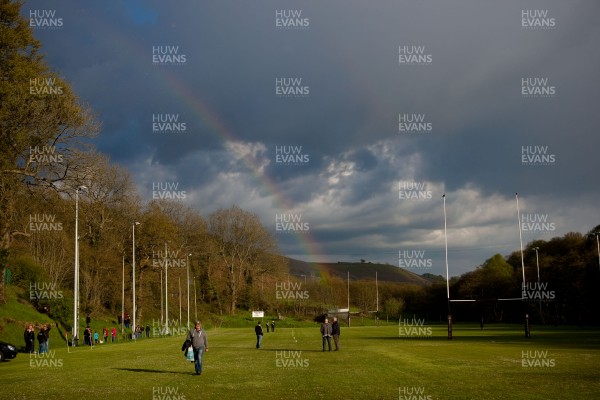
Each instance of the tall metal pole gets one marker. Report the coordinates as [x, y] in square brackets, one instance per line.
[179, 280]
[377, 292]
[598, 242]
[537, 263]
[75, 332]
[446, 243]
[348, 291]
[133, 282]
[447, 275]
[166, 293]
[348, 299]
[520, 239]
[188, 289]
[195, 305]
[123, 299]
[527, 326]
[162, 303]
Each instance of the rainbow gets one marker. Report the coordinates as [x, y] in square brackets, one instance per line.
[166, 76]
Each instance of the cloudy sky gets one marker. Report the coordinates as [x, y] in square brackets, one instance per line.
[350, 118]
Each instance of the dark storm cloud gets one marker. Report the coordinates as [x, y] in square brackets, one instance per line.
[348, 124]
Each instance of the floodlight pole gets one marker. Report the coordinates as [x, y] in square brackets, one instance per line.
[195, 304]
[377, 293]
[166, 293]
[123, 298]
[133, 224]
[75, 333]
[187, 264]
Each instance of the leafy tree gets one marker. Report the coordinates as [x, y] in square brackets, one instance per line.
[42, 124]
[393, 307]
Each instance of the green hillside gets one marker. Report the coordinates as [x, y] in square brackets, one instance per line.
[16, 313]
[358, 271]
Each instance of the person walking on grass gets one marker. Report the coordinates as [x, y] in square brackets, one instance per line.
[197, 336]
[259, 334]
[326, 333]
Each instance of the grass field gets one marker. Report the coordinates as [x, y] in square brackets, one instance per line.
[374, 363]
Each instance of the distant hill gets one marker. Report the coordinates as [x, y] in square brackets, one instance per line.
[358, 271]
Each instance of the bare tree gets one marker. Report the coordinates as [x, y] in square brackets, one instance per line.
[245, 248]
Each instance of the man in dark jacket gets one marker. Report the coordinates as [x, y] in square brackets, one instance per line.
[259, 334]
[41, 337]
[335, 332]
[326, 333]
[197, 336]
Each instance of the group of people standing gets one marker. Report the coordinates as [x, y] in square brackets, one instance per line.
[43, 338]
[331, 330]
[328, 331]
[138, 332]
[260, 333]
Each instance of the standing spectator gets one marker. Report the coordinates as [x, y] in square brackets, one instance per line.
[259, 334]
[267, 324]
[46, 330]
[272, 326]
[105, 334]
[29, 336]
[335, 332]
[197, 336]
[326, 332]
[41, 337]
[147, 330]
[96, 337]
[113, 334]
[86, 336]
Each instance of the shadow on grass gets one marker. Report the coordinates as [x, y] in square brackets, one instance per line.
[565, 340]
[152, 370]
